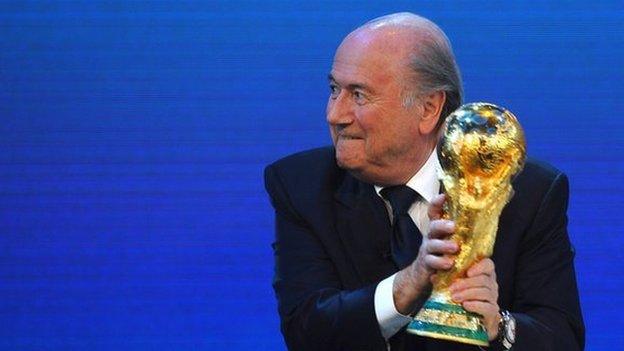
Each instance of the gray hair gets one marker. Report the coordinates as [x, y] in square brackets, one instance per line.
[432, 62]
[436, 70]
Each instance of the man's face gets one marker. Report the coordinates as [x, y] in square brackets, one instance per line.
[374, 134]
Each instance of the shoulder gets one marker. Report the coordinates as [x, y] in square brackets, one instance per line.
[305, 177]
[538, 177]
[319, 159]
[302, 168]
[539, 169]
[540, 188]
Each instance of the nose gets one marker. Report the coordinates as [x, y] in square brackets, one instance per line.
[340, 110]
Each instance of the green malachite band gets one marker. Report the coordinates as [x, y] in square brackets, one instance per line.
[448, 332]
[479, 335]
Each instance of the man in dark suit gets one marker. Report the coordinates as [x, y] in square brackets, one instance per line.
[345, 277]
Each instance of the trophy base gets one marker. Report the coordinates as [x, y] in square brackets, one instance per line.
[449, 321]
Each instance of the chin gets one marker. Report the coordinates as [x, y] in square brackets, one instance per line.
[346, 162]
[363, 171]
[355, 167]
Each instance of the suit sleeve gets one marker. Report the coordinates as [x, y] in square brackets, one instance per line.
[546, 303]
[316, 313]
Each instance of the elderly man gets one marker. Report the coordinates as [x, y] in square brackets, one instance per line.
[346, 276]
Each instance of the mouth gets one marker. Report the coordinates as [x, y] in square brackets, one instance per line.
[348, 137]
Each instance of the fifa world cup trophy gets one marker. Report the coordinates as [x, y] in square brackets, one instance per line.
[480, 151]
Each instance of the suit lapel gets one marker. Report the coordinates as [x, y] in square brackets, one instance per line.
[364, 228]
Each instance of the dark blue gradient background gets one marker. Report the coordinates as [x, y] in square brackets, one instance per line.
[133, 136]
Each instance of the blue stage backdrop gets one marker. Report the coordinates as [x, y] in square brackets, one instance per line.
[133, 136]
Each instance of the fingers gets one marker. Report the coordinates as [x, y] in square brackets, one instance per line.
[480, 307]
[489, 312]
[484, 294]
[435, 207]
[485, 266]
[478, 293]
[436, 248]
[482, 280]
[442, 247]
[478, 282]
[441, 228]
[435, 263]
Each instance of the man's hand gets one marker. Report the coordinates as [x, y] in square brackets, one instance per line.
[478, 293]
[412, 285]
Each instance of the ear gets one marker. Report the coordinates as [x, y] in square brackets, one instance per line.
[432, 107]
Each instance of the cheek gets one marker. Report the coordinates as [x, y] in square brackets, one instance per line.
[388, 135]
[374, 129]
[369, 121]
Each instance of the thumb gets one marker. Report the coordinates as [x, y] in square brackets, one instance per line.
[435, 207]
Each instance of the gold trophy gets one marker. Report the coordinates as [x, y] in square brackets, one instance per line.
[481, 149]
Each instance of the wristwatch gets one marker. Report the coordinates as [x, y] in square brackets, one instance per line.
[507, 329]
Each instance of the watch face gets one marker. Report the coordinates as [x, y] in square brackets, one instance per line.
[510, 330]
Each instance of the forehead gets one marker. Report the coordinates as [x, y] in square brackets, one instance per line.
[372, 58]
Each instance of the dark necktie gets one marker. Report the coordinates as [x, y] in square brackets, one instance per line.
[406, 237]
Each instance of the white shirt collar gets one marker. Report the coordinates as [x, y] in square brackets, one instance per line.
[425, 182]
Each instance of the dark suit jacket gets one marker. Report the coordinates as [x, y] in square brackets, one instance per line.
[332, 244]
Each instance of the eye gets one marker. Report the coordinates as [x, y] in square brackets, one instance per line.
[334, 91]
[359, 97]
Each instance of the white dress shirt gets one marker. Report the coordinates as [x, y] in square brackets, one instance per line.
[424, 182]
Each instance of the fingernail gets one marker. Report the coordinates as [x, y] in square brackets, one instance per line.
[454, 287]
[450, 225]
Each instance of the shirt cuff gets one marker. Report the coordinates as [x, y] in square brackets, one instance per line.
[389, 319]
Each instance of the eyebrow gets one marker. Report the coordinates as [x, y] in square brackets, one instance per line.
[351, 86]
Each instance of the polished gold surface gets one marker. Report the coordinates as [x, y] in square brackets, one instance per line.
[481, 149]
